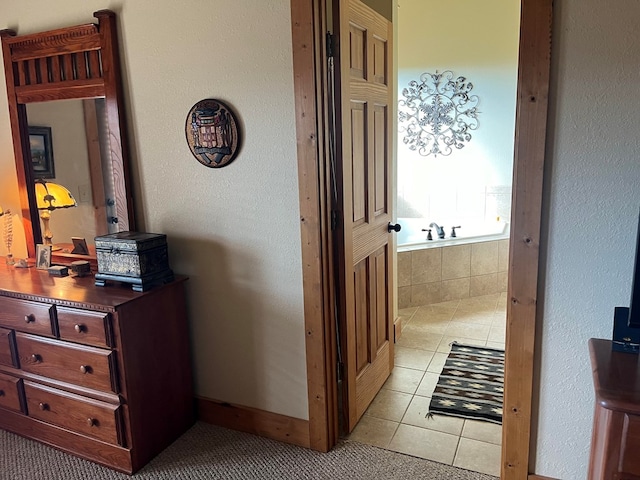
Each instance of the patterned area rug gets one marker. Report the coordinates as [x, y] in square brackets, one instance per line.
[471, 384]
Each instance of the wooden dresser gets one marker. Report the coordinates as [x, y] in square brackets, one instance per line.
[100, 372]
[615, 441]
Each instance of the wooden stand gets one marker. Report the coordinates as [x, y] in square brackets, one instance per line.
[615, 441]
[101, 373]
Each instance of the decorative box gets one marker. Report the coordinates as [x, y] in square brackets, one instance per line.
[80, 268]
[58, 271]
[138, 258]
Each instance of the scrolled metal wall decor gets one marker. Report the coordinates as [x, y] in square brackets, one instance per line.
[437, 113]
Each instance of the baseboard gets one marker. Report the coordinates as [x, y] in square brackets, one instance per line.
[252, 420]
[397, 329]
[533, 476]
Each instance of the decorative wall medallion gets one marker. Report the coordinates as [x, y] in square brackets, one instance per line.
[212, 133]
[437, 113]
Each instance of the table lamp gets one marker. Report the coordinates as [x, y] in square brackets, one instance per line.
[49, 197]
[7, 234]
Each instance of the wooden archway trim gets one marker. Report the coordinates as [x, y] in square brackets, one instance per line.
[308, 27]
[534, 62]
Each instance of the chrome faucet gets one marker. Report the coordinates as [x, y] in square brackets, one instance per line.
[439, 229]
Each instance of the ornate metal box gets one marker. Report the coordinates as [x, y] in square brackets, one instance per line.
[133, 257]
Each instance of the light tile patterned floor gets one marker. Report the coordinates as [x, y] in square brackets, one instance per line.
[396, 420]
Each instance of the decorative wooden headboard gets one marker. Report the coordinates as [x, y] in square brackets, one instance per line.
[69, 62]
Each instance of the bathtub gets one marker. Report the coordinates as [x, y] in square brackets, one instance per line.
[472, 264]
[411, 236]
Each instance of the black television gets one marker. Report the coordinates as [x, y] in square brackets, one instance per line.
[626, 320]
[634, 305]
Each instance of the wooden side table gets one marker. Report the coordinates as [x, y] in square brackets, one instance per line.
[615, 440]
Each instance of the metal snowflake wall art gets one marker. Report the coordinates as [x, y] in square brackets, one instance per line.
[437, 113]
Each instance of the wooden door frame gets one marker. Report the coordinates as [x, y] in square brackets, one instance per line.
[308, 21]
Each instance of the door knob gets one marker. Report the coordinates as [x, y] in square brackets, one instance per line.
[394, 228]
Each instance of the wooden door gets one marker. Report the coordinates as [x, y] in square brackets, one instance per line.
[365, 254]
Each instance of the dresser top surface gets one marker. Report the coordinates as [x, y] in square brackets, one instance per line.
[616, 377]
[31, 283]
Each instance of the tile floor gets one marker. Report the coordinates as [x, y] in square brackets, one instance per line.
[396, 418]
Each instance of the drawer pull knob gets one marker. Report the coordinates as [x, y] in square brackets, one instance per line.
[80, 328]
[1, 393]
[91, 422]
[43, 406]
[30, 318]
[36, 358]
[85, 368]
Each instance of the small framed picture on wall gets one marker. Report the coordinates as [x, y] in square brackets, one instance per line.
[41, 152]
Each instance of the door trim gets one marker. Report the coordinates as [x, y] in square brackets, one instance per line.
[308, 26]
[308, 21]
[534, 61]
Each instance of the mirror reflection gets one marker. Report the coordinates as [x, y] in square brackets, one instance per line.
[68, 141]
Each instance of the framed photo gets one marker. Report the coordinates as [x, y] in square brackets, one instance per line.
[41, 152]
[79, 246]
[43, 256]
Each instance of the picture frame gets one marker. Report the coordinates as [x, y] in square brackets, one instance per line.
[43, 256]
[41, 146]
[79, 246]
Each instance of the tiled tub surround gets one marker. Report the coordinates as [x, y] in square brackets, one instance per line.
[440, 274]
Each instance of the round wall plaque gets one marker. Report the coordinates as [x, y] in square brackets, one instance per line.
[212, 133]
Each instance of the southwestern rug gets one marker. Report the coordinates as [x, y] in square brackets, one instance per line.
[471, 384]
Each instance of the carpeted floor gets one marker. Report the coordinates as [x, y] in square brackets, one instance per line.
[210, 452]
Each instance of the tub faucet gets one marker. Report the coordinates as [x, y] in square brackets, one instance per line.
[428, 230]
[439, 229]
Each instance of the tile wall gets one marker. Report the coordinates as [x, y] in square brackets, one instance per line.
[449, 203]
[434, 275]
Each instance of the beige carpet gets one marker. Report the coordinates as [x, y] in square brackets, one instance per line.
[209, 452]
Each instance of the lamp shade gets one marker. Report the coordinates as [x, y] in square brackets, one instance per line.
[50, 196]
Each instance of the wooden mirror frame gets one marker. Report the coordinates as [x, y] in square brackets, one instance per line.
[79, 62]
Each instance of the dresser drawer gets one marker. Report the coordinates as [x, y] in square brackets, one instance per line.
[7, 349]
[11, 396]
[82, 326]
[89, 417]
[85, 366]
[31, 317]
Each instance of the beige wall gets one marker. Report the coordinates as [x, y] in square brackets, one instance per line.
[234, 231]
[383, 7]
[479, 41]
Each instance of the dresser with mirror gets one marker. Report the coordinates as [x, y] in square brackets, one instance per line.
[68, 126]
[103, 373]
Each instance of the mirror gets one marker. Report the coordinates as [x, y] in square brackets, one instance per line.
[74, 135]
[65, 104]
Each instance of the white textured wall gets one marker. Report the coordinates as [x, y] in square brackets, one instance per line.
[592, 199]
[234, 231]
